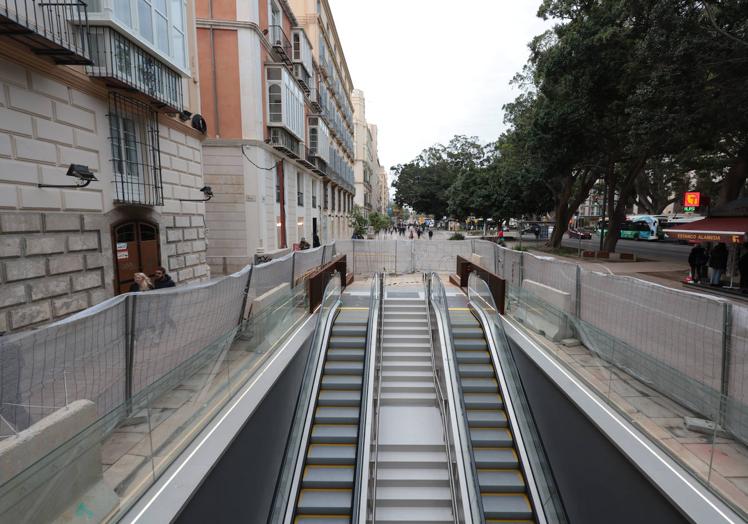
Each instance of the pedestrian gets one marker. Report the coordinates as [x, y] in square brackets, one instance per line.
[536, 231]
[704, 273]
[431, 234]
[718, 263]
[697, 258]
[418, 232]
[303, 244]
[743, 268]
[315, 240]
[411, 234]
[162, 279]
[142, 283]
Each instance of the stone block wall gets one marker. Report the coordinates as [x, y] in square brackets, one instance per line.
[184, 247]
[51, 265]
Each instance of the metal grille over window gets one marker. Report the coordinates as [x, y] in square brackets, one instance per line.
[133, 133]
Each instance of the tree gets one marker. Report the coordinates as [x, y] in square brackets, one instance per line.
[358, 222]
[379, 221]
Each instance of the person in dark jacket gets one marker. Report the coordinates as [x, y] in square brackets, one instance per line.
[303, 244]
[161, 279]
[697, 258]
[743, 268]
[718, 263]
[315, 240]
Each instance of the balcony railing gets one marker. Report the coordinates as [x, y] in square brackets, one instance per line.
[281, 44]
[314, 100]
[56, 29]
[127, 65]
[283, 141]
[320, 166]
[303, 77]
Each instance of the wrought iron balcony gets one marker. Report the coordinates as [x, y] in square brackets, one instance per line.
[125, 64]
[283, 141]
[303, 77]
[314, 100]
[306, 159]
[319, 165]
[57, 29]
[281, 44]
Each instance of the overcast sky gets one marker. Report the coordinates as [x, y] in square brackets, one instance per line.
[431, 69]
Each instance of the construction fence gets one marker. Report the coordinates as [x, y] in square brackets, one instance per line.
[115, 350]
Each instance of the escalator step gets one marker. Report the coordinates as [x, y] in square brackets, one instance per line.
[495, 458]
[483, 401]
[347, 342]
[476, 370]
[467, 332]
[491, 437]
[334, 454]
[328, 519]
[341, 382]
[479, 385]
[506, 506]
[334, 433]
[325, 501]
[348, 330]
[339, 397]
[464, 321]
[473, 357]
[328, 477]
[344, 367]
[336, 415]
[346, 354]
[468, 344]
[486, 418]
[501, 480]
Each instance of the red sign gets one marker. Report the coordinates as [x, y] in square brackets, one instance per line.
[692, 199]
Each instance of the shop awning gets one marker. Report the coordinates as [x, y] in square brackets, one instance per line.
[731, 230]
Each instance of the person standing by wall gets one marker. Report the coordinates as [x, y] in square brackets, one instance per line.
[743, 268]
[718, 263]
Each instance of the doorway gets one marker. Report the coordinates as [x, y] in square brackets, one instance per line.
[136, 250]
[314, 228]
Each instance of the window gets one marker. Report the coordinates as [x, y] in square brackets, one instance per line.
[299, 189]
[324, 194]
[314, 194]
[158, 22]
[277, 185]
[133, 133]
[275, 102]
[332, 199]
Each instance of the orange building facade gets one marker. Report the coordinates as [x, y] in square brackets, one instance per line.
[279, 153]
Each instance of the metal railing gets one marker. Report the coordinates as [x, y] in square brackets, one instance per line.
[371, 506]
[281, 43]
[283, 141]
[58, 29]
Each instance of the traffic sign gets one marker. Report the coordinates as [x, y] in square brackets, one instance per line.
[692, 199]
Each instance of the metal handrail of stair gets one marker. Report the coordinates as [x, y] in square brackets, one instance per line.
[366, 414]
[284, 500]
[465, 492]
[370, 511]
[481, 302]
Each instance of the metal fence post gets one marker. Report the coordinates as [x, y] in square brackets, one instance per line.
[246, 296]
[726, 353]
[412, 256]
[353, 256]
[578, 299]
[293, 268]
[130, 310]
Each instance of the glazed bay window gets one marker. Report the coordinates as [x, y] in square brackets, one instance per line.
[136, 160]
[158, 24]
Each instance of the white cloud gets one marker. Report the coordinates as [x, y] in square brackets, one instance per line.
[431, 69]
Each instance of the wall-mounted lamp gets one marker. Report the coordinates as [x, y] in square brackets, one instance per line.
[206, 190]
[84, 175]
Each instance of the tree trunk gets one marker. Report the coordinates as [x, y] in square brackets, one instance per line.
[562, 205]
[735, 180]
[618, 210]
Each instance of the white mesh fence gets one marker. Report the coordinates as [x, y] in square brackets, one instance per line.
[306, 260]
[118, 348]
[737, 400]
[487, 251]
[440, 255]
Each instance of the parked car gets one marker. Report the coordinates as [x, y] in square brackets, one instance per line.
[584, 235]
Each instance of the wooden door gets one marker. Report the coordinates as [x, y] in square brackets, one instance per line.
[136, 250]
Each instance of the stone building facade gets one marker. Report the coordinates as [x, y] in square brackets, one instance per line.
[108, 102]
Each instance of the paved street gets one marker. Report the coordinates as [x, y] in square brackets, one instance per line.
[666, 251]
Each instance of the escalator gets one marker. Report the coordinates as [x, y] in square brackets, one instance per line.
[329, 467]
[501, 479]
[324, 458]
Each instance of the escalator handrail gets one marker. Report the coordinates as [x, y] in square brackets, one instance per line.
[471, 485]
[374, 432]
[367, 384]
[284, 501]
[494, 336]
